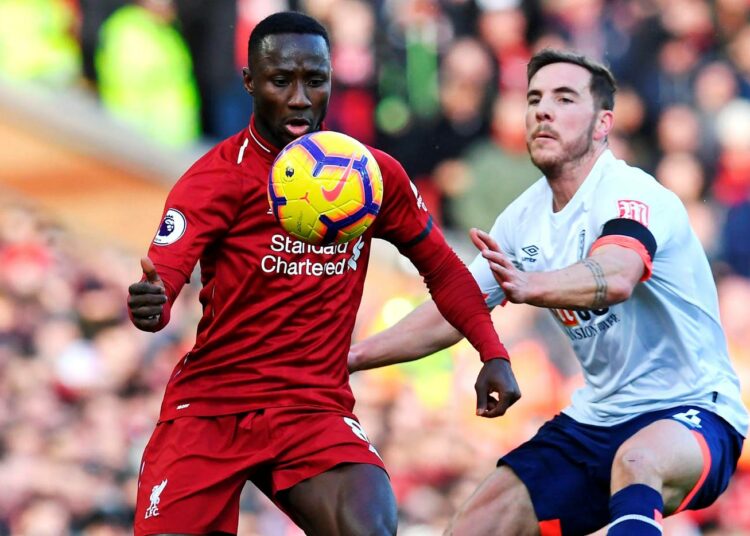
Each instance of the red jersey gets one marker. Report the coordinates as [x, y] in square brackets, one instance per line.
[278, 313]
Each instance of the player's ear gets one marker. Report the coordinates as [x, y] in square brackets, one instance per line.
[247, 80]
[604, 123]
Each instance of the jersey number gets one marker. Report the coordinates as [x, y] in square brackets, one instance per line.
[360, 433]
[690, 417]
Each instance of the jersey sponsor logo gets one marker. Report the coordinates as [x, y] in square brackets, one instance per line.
[420, 202]
[579, 324]
[575, 317]
[633, 210]
[356, 252]
[319, 261]
[153, 508]
[171, 229]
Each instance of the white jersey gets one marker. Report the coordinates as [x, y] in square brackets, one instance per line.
[661, 348]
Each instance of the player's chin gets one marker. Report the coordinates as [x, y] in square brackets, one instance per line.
[544, 158]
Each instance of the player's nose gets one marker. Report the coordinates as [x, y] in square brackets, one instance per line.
[544, 110]
[299, 97]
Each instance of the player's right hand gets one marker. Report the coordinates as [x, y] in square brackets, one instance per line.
[496, 388]
[146, 298]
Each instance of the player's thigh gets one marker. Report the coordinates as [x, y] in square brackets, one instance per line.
[500, 505]
[563, 462]
[192, 474]
[352, 499]
[689, 454]
[664, 455]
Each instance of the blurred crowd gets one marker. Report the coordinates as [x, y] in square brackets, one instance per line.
[441, 85]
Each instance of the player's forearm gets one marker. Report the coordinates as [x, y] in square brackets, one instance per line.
[456, 295]
[599, 280]
[421, 333]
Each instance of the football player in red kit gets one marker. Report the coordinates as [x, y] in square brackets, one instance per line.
[264, 394]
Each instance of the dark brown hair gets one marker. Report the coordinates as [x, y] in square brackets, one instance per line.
[603, 85]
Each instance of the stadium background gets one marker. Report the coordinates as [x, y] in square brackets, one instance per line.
[103, 104]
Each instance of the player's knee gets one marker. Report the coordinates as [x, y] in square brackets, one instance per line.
[635, 465]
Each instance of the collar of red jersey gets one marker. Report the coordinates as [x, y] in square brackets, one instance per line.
[261, 144]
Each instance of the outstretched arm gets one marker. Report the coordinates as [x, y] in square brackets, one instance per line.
[422, 332]
[457, 310]
[605, 277]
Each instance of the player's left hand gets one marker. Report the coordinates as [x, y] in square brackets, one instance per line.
[496, 378]
[515, 284]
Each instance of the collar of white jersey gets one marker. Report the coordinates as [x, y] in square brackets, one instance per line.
[589, 183]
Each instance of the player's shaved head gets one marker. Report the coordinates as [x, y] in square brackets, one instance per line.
[285, 22]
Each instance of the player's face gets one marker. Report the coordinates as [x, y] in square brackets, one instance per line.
[290, 81]
[560, 116]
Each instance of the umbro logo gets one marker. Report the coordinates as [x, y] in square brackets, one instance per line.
[531, 252]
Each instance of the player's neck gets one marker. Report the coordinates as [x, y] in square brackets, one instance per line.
[566, 180]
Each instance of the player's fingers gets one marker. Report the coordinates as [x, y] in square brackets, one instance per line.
[146, 312]
[486, 239]
[478, 242]
[482, 396]
[501, 271]
[149, 270]
[146, 291]
[147, 324]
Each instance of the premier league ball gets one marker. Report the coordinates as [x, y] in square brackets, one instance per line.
[325, 187]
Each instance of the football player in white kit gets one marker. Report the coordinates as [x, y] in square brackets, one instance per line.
[659, 425]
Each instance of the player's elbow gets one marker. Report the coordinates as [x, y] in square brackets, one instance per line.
[619, 289]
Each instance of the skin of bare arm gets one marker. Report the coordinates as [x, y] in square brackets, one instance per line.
[606, 277]
[422, 332]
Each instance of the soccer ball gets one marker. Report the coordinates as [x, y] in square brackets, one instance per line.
[325, 187]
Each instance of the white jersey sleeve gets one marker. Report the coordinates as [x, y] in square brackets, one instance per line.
[503, 232]
[637, 197]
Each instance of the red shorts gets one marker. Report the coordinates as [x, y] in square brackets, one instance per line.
[194, 468]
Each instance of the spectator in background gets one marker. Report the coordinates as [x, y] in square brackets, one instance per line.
[628, 133]
[208, 27]
[682, 173]
[352, 110]
[678, 130]
[715, 87]
[730, 17]
[732, 183]
[503, 26]
[466, 90]
[37, 42]
[496, 169]
[93, 13]
[145, 73]
[735, 239]
[739, 52]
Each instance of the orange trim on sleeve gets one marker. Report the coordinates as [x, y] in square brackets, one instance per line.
[630, 243]
[706, 452]
[550, 527]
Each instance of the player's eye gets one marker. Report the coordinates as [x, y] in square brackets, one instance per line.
[315, 82]
[280, 82]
